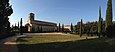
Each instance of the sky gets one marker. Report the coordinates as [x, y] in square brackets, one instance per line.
[58, 11]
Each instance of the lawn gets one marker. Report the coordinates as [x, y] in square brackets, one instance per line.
[65, 43]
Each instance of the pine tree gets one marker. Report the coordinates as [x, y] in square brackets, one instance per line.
[109, 14]
[21, 33]
[81, 28]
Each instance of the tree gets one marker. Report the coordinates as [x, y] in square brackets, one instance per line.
[18, 25]
[71, 27]
[59, 28]
[41, 29]
[100, 23]
[21, 33]
[81, 28]
[8, 28]
[38, 29]
[62, 27]
[12, 29]
[5, 11]
[109, 15]
[15, 27]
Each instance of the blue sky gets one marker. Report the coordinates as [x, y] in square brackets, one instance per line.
[58, 11]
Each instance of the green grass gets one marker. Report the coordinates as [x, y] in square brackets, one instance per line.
[49, 38]
[65, 43]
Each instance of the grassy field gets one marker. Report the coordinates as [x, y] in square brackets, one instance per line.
[65, 43]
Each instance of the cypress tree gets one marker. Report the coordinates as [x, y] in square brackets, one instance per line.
[109, 14]
[59, 29]
[15, 27]
[21, 33]
[41, 29]
[18, 25]
[62, 27]
[71, 27]
[100, 23]
[108, 23]
[81, 28]
[12, 28]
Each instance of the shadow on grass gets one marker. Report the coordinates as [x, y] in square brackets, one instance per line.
[88, 45]
[8, 48]
[21, 40]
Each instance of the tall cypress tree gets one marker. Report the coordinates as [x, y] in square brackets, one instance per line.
[71, 27]
[109, 14]
[59, 28]
[81, 28]
[18, 25]
[99, 23]
[15, 27]
[62, 27]
[21, 33]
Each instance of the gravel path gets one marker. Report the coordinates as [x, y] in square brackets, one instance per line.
[9, 44]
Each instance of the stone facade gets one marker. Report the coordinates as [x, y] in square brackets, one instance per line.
[40, 26]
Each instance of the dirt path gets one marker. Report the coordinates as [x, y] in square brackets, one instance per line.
[8, 44]
[9, 47]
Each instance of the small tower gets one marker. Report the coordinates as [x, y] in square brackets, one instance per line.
[30, 20]
[31, 16]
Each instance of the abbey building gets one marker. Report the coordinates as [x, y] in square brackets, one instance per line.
[40, 26]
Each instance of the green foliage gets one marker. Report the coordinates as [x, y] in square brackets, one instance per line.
[5, 11]
[109, 15]
[8, 28]
[38, 29]
[41, 29]
[100, 24]
[87, 28]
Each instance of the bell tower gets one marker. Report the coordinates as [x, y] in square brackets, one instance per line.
[30, 19]
[31, 16]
